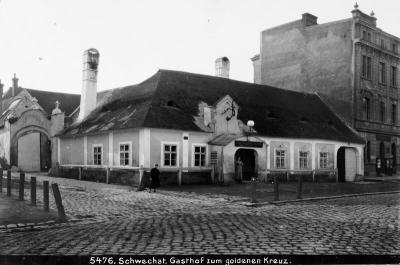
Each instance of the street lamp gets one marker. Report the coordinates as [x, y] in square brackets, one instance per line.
[250, 124]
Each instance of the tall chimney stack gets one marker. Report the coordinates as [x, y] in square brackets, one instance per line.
[15, 85]
[222, 66]
[89, 83]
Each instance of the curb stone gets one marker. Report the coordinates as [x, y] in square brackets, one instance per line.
[258, 204]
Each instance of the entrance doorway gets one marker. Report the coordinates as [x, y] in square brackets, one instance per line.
[346, 164]
[34, 152]
[248, 158]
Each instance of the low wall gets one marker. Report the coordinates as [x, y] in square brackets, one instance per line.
[131, 177]
[124, 177]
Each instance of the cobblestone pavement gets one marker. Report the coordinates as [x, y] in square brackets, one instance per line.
[112, 220]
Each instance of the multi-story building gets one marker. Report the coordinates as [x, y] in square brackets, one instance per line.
[351, 63]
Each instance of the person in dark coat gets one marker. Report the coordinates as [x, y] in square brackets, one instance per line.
[155, 178]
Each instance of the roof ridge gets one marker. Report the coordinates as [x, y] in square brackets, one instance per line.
[239, 81]
[52, 92]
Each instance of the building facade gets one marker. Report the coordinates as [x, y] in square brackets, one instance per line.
[352, 64]
[196, 122]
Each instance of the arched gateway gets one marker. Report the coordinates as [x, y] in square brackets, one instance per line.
[249, 160]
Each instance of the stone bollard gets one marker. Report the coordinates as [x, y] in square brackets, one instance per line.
[46, 206]
[33, 190]
[8, 182]
[21, 185]
[276, 188]
[299, 186]
[58, 200]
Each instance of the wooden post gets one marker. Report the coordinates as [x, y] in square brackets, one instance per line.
[33, 190]
[8, 182]
[46, 206]
[212, 174]
[180, 176]
[299, 186]
[276, 187]
[58, 200]
[21, 185]
[1, 180]
[335, 171]
[80, 173]
[141, 172]
[253, 190]
[108, 175]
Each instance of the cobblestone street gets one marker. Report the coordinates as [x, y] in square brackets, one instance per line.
[116, 220]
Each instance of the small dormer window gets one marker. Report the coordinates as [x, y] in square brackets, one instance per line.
[270, 115]
[171, 104]
[304, 119]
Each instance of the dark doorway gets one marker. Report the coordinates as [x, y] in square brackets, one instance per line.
[394, 156]
[382, 150]
[45, 153]
[248, 157]
[341, 164]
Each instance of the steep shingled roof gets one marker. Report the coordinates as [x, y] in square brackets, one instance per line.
[276, 112]
[47, 99]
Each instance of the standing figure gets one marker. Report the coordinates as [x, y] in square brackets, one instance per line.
[155, 178]
[239, 170]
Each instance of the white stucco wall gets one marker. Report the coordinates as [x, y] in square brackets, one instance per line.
[5, 143]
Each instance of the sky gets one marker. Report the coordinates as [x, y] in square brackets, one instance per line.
[42, 41]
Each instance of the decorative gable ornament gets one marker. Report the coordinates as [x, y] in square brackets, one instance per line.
[56, 110]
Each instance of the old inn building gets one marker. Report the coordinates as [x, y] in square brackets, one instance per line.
[192, 121]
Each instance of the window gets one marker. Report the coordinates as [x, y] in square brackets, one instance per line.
[366, 108]
[214, 157]
[323, 160]
[366, 67]
[124, 154]
[280, 157]
[366, 35]
[382, 73]
[97, 155]
[303, 159]
[382, 111]
[394, 47]
[393, 78]
[394, 113]
[199, 156]
[170, 155]
[382, 44]
[368, 151]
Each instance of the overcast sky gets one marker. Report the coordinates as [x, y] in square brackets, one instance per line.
[42, 41]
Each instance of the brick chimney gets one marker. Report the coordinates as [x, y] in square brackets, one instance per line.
[222, 66]
[89, 83]
[15, 85]
[309, 20]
